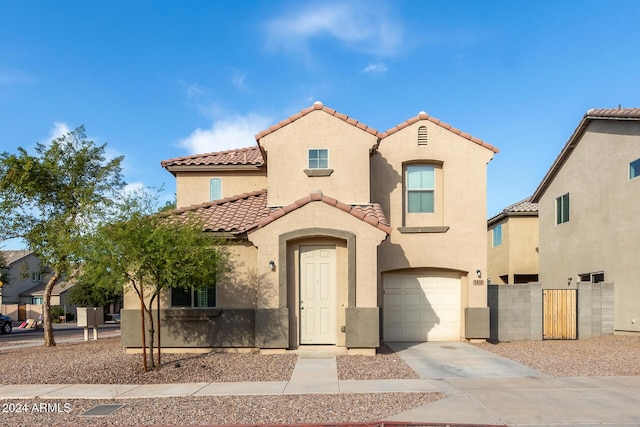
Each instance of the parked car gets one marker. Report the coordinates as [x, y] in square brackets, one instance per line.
[5, 324]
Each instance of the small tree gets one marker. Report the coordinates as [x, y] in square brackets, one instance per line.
[52, 198]
[150, 254]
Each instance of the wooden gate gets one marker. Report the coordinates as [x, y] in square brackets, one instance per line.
[559, 314]
[22, 312]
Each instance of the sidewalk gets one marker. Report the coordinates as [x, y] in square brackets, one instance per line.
[496, 392]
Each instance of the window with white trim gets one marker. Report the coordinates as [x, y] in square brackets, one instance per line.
[194, 297]
[634, 169]
[595, 277]
[420, 186]
[36, 276]
[318, 158]
[215, 189]
[562, 209]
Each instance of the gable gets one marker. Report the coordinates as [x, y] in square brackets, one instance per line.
[292, 146]
[614, 117]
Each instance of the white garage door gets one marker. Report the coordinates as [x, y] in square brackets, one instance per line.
[421, 308]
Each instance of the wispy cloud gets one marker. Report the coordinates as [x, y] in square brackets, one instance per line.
[239, 80]
[376, 68]
[225, 134]
[59, 129]
[358, 25]
[192, 90]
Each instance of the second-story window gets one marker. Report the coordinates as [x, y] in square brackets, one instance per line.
[318, 158]
[634, 169]
[497, 235]
[562, 209]
[420, 189]
[215, 189]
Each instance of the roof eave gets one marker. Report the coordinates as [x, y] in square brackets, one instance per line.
[212, 168]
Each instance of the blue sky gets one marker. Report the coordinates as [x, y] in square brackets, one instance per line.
[162, 79]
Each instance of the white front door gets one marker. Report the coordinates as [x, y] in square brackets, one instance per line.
[317, 295]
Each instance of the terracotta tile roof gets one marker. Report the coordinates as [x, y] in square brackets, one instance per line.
[523, 207]
[249, 211]
[317, 106]
[370, 213]
[613, 113]
[233, 214]
[424, 116]
[592, 114]
[241, 156]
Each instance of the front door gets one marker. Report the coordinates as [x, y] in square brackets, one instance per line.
[317, 295]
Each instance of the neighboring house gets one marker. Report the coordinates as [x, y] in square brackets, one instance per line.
[25, 272]
[589, 203]
[23, 296]
[512, 244]
[59, 295]
[341, 235]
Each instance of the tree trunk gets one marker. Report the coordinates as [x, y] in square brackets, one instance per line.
[144, 344]
[151, 333]
[49, 340]
[159, 346]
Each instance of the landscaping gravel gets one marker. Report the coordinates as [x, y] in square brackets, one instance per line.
[104, 362]
[611, 355]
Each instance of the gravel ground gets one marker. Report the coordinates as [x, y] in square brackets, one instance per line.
[612, 355]
[282, 409]
[104, 362]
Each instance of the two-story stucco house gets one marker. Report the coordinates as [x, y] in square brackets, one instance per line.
[512, 244]
[589, 205]
[341, 235]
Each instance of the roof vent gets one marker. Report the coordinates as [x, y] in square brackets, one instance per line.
[422, 135]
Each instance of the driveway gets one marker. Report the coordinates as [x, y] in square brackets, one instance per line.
[458, 360]
[484, 388]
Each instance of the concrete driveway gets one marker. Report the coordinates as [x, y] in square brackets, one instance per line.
[458, 360]
[483, 388]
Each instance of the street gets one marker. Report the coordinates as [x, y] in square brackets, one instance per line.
[68, 331]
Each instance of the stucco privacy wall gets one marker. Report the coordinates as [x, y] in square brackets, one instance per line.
[451, 239]
[287, 154]
[192, 188]
[516, 311]
[602, 233]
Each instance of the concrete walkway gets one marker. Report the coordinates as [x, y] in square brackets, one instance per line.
[480, 388]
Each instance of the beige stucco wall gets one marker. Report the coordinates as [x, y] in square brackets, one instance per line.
[287, 154]
[306, 221]
[317, 215]
[193, 187]
[237, 289]
[518, 253]
[460, 205]
[602, 232]
[498, 256]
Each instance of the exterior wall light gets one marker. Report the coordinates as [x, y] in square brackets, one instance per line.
[272, 265]
[479, 273]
